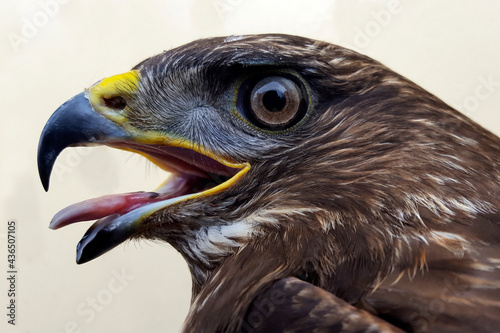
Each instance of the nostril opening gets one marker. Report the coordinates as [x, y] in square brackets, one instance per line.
[117, 102]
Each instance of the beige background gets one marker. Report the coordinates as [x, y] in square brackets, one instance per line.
[49, 51]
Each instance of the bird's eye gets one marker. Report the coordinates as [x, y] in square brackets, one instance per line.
[272, 103]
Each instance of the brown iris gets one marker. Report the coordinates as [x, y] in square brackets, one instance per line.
[273, 102]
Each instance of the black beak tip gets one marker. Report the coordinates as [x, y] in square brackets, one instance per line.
[73, 123]
[86, 250]
[100, 238]
[44, 170]
[80, 257]
[45, 185]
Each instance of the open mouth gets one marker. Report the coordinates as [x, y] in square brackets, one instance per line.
[194, 172]
[119, 216]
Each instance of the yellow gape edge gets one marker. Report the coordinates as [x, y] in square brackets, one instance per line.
[114, 86]
[244, 167]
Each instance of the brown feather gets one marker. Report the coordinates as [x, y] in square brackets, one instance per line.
[383, 196]
[292, 305]
[382, 178]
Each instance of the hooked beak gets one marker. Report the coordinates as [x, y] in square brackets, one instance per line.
[73, 123]
[98, 116]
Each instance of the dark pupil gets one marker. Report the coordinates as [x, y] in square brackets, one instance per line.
[274, 100]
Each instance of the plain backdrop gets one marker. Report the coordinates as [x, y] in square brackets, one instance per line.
[51, 50]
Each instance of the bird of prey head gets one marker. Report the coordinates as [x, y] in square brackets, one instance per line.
[293, 159]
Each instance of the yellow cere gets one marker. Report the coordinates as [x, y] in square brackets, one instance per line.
[128, 83]
[111, 87]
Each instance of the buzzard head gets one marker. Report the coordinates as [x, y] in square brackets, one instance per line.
[288, 157]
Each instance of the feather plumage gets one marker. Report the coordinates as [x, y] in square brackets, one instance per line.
[382, 195]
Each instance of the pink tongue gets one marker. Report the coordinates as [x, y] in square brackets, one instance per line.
[101, 207]
[121, 204]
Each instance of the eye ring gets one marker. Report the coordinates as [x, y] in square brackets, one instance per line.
[274, 102]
